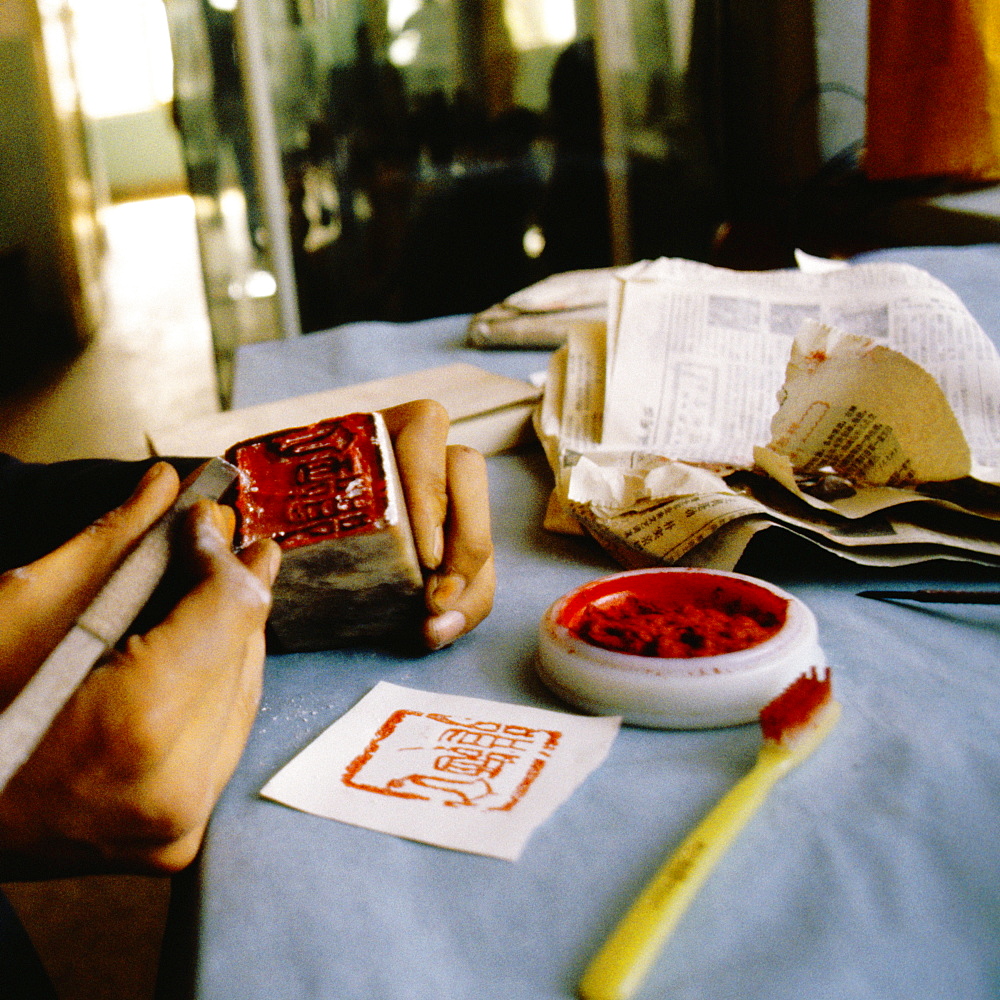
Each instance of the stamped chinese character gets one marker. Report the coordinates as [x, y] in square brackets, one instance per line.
[452, 762]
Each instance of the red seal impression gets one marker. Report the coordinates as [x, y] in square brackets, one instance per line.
[486, 765]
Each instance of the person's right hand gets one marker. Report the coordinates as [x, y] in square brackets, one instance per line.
[128, 774]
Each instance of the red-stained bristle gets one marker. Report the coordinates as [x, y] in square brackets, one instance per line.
[795, 706]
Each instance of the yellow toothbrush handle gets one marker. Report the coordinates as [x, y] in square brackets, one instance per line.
[619, 968]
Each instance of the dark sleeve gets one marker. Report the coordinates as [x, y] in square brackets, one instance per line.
[22, 976]
[42, 506]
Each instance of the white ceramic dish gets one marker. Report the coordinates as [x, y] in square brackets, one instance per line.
[694, 692]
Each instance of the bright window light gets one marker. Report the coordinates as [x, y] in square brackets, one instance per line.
[537, 24]
[403, 48]
[533, 241]
[122, 53]
[260, 285]
[532, 24]
[398, 11]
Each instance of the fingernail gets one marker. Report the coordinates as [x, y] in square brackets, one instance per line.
[437, 553]
[151, 475]
[209, 530]
[274, 561]
[445, 590]
[227, 520]
[220, 519]
[444, 629]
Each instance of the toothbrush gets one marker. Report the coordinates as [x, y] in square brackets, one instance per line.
[793, 725]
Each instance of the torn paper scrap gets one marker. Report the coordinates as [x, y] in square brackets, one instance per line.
[458, 772]
[617, 481]
[866, 410]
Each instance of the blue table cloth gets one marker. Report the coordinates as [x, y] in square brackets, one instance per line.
[873, 871]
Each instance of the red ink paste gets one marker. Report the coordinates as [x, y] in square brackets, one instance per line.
[303, 485]
[628, 624]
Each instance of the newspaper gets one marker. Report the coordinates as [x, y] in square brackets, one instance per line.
[858, 407]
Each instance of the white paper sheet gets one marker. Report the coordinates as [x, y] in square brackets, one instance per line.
[463, 773]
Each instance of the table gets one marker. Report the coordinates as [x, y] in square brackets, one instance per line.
[871, 872]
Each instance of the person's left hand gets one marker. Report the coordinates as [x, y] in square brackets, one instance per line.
[447, 497]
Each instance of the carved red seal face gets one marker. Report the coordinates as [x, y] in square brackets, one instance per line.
[307, 484]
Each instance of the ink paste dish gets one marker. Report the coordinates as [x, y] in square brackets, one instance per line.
[676, 648]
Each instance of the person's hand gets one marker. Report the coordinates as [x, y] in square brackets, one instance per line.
[448, 501]
[127, 776]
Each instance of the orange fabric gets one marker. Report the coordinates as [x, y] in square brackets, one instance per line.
[933, 89]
